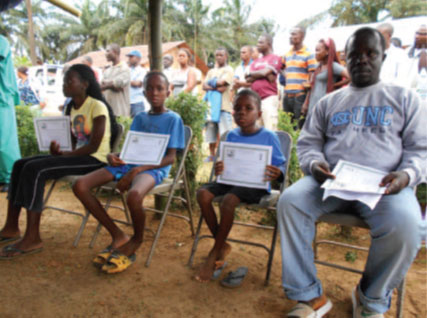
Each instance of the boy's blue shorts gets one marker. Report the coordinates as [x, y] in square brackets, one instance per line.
[119, 171]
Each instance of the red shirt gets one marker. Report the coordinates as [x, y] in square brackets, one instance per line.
[263, 86]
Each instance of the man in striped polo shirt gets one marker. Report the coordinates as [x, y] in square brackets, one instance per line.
[300, 64]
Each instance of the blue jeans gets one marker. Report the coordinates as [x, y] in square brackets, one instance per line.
[136, 108]
[394, 227]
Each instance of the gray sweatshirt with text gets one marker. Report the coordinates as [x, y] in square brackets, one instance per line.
[382, 126]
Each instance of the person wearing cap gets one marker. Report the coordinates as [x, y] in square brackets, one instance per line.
[115, 83]
[137, 74]
[167, 66]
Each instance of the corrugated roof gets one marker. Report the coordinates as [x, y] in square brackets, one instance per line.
[100, 61]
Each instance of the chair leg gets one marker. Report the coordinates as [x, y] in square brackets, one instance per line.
[315, 241]
[400, 298]
[99, 226]
[271, 255]
[189, 206]
[159, 229]
[82, 227]
[196, 242]
[48, 194]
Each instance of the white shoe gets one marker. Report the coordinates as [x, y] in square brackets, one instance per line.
[302, 310]
[359, 311]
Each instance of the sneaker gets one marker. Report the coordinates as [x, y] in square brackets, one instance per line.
[359, 311]
[313, 309]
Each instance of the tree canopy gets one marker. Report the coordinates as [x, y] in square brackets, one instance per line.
[61, 37]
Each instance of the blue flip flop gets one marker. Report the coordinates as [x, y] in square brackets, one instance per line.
[235, 279]
[217, 273]
[8, 239]
[18, 251]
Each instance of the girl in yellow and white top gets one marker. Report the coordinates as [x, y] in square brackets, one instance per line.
[92, 127]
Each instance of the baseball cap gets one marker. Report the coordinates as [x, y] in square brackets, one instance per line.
[134, 53]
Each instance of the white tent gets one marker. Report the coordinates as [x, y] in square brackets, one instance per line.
[404, 29]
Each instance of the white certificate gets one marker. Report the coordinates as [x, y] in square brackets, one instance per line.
[354, 177]
[50, 129]
[355, 182]
[144, 148]
[245, 164]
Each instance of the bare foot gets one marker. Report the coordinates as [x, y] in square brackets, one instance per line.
[5, 233]
[129, 247]
[118, 242]
[206, 270]
[226, 249]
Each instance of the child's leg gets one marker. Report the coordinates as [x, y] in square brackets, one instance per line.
[204, 198]
[31, 240]
[11, 226]
[141, 185]
[227, 208]
[82, 190]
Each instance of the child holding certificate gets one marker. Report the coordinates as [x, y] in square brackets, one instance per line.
[246, 112]
[92, 124]
[137, 180]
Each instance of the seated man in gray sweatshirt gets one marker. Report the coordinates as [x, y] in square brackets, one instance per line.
[373, 124]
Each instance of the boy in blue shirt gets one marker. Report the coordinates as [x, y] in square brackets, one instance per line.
[246, 112]
[136, 180]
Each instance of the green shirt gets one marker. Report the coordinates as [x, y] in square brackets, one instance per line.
[9, 94]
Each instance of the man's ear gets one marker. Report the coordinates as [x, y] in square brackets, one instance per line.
[384, 56]
[259, 113]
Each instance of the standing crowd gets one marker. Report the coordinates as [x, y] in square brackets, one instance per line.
[370, 110]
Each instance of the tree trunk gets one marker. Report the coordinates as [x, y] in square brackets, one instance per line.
[155, 38]
[31, 40]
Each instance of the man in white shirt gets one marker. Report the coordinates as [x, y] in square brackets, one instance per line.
[417, 56]
[115, 83]
[137, 75]
[242, 69]
[394, 68]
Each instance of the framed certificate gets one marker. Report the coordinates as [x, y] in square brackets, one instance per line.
[244, 164]
[144, 148]
[50, 129]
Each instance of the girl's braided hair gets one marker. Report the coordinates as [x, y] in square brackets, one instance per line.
[94, 90]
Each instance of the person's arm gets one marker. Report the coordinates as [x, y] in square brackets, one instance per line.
[312, 139]
[343, 73]
[207, 87]
[304, 108]
[191, 81]
[414, 139]
[120, 81]
[254, 75]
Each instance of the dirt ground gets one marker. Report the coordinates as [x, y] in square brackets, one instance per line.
[61, 281]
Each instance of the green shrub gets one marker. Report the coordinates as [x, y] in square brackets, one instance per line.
[126, 122]
[287, 124]
[192, 111]
[26, 134]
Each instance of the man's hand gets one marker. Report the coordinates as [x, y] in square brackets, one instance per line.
[320, 171]
[219, 167]
[395, 181]
[272, 173]
[304, 108]
[114, 160]
[54, 149]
